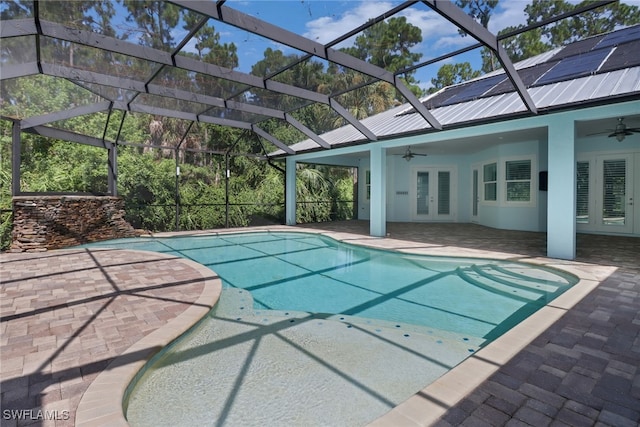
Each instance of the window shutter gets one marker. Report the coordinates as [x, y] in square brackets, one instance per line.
[613, 200]
[582, 193]
[518, 178]
[518, 170]
[444, 192]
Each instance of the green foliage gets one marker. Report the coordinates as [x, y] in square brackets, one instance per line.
[538, 40]
[389, 45]
[5, 185]
[597, 21]
[450, 74]
[62, 166]
[323, 194]
[148, 188]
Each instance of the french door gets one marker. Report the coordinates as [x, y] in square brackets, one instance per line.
[432, 190]
[604, 193]
[475, 194]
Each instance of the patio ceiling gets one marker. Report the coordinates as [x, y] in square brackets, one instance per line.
[122, 70]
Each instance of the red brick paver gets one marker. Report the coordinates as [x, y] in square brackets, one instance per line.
[65, 315]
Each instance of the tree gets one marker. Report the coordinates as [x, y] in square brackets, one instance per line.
[365, 101]
[597, 21]
[304, 75]
[481, 10]
[450, 74]
[155, 22]
[523, 46]
[389, 45]
[210, 50]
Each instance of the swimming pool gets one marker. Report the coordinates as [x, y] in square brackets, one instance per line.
[303, 316]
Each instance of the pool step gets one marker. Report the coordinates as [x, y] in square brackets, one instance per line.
[542, 278]
[489, 282]
[235, 305]
[522, 281]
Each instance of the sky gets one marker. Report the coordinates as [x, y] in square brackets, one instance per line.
[324, 21]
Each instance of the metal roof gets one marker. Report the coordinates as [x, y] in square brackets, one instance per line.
[586, 86]
[122, 65]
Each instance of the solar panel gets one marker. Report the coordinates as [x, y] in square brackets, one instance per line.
[620, 37]
[575, 66]
[577, 48]
[527, 75]
[626, 55]
[442, 97]
[575, 60]
[475, 89]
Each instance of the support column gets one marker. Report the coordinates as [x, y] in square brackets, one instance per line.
[561, 195]
[378, 201]
[290, 192]
[15, 159]
[112, 174]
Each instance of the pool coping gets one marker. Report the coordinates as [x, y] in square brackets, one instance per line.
[102, 403]
[429, 404]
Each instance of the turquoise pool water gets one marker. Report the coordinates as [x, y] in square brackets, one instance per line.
[314, 273]
[313, 332]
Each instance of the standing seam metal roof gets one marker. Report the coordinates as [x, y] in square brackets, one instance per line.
[585, 88]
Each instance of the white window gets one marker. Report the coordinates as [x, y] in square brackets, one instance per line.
[490, 181]
[367, 182]
[518, 180]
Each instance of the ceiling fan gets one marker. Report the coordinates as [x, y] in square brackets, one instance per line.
[408, 154]
[620, 132]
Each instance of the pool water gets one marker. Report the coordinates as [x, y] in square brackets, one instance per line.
[310, 331]
[314, 273]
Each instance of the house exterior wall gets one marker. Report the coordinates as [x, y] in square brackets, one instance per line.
[504, 214]
[499, 214]
[554, 144]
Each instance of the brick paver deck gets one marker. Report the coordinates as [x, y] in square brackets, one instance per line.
[67, 315]
[584, 370]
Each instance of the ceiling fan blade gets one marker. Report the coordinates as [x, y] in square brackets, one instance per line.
[618, 133]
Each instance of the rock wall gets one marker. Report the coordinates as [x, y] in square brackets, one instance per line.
[53, 222]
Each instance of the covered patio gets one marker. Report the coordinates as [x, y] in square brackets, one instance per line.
[576, 363]
[78, 324]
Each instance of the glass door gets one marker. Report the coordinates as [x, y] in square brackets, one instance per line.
[604, 194]
[432, 191]
[422, 194]
[616, 203]
[475, 196]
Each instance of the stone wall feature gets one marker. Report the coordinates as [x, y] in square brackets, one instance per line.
[53, 222]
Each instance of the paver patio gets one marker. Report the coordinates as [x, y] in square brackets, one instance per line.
[66, 316]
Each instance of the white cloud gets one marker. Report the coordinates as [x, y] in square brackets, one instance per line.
[507, 14]
[437, 33]
[329, 28]
[430, 23]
